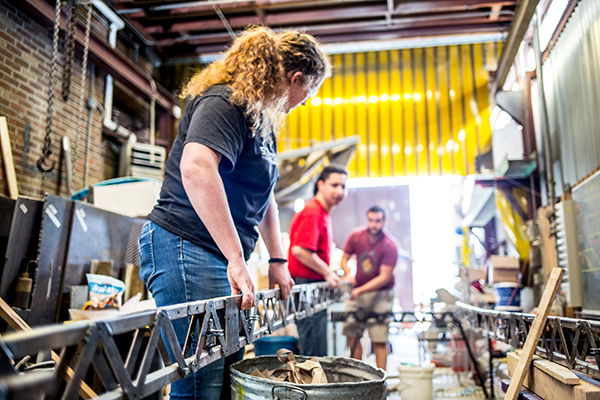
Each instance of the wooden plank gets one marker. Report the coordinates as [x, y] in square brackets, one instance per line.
[535, 332]
[18, 324]
[549, 388]
[133, 283]
[558, 372]
[525, 394]
[13, 319]
[9, 166]
[539, 382]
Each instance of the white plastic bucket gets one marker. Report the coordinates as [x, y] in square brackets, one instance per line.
[508, 294]
[416, 382]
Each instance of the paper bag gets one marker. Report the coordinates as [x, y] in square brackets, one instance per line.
[308, 372]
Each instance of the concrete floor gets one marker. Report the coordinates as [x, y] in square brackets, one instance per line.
[446, 383]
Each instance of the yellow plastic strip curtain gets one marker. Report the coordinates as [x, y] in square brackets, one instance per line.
[417, 111]
[513, 224]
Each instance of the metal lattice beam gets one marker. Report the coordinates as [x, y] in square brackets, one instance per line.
[570, 342]
[217, 325]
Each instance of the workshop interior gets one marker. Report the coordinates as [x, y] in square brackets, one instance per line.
[424, 170]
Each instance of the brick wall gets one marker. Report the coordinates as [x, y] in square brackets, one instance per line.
[25, 60]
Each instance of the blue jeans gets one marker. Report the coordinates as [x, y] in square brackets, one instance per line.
[312, 331]
[178, 271]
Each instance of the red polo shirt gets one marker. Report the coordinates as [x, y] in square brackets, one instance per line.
[311, 229]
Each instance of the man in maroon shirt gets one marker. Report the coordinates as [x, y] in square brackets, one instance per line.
[376, 255]
[310, 245]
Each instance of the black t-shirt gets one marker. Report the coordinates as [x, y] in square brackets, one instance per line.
[248, 169]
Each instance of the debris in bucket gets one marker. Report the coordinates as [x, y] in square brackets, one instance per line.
[308, 372]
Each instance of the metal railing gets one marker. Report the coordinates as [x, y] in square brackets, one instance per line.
[570, 342]
[123, 350]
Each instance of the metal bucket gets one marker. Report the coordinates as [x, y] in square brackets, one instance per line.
[349, 380]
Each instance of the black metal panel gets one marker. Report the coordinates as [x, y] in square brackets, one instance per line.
[7, 206]
[22, 243]
[96, 234]
[54, 237]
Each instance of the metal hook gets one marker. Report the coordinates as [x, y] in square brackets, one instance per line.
[41, 164]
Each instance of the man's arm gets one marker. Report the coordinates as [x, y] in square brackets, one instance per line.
[344, 264]
[204, 187]
[314, 262]
[271, 234]
[384, 277]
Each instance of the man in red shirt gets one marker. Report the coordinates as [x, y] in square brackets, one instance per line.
[376, 255]
[310, 245]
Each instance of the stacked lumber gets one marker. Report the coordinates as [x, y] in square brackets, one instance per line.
[552, 381]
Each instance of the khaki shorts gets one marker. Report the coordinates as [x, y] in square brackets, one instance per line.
[380, 302]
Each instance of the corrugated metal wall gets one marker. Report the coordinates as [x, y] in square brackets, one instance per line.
[418, 111]
[572, 91]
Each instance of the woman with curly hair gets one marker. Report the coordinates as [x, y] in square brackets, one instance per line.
[219, 181]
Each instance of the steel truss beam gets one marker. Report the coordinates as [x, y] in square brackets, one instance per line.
[122, 350]
[570, 342]
[366, 316]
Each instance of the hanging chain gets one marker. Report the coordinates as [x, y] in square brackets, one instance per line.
[47, 150]
[69, 47]
[84, 65]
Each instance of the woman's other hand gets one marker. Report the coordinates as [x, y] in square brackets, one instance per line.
[279, 274]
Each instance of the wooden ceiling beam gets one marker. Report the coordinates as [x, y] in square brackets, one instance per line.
[377, 28]
[420, 6]
[238, 23]
[289, 20]
[190, 25]
[495, 13]
[414, 32]
[210, 46]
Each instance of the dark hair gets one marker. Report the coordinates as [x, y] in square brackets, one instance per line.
[328, 170]
[377, 209]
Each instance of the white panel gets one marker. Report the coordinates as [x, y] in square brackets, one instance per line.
[568, 251]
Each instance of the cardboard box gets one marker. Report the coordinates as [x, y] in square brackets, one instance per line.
[133, 199]
[473, 274]
[504, 269]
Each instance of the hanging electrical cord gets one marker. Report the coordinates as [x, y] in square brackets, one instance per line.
[42, 163]
[518, 184]
[152, 127]
[84, 67]
[69, 47]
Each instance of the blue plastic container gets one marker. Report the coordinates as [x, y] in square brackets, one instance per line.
[269, 345]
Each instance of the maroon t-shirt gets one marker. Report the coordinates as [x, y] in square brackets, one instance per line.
[311, 229]
[371, 256]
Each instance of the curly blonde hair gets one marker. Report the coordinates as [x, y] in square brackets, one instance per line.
[256, 68]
